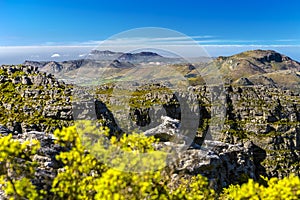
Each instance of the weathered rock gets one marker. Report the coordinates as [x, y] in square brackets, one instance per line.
[223, 164]
[45, 157]
[4, 130]
[244, 81]
[165, 131]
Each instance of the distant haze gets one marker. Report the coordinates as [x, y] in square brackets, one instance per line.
[17, 55]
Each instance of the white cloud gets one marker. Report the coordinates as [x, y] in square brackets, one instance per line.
[168, 40]
[287, 40]
[56, 55]
[81, 55]
[145, 40]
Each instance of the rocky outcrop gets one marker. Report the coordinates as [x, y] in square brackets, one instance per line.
[169, 128]
[223, 164]
[266, 116]
[4, 130]
[33, 100]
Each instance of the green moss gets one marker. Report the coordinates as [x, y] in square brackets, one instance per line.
[18, 74]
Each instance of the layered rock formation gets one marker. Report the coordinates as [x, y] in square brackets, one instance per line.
[33, 100]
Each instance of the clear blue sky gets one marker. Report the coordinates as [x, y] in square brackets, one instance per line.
[41, 22]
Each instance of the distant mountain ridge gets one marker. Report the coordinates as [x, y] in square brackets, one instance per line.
[144, 56]
[54, 67]
[97, 59]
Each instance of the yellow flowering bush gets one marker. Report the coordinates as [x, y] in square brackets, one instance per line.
[287, 188]
[17, 168]
[194, 189]
[86, 177]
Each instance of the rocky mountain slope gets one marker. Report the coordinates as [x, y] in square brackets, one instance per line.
[54, 67]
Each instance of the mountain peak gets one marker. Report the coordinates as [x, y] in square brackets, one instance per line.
[268, 55]
[264, 55]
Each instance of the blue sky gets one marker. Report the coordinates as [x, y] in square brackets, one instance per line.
[77, 22]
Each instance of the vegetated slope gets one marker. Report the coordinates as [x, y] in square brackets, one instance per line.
[35, 101]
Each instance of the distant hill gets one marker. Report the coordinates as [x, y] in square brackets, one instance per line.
[54, 67]
[260, 67]
[139, 57]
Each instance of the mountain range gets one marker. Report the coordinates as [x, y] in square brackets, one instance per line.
[256, 67]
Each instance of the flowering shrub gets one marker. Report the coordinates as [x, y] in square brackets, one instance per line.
[95, 176]
[85, 177]
[285, 189]
[16, 168]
